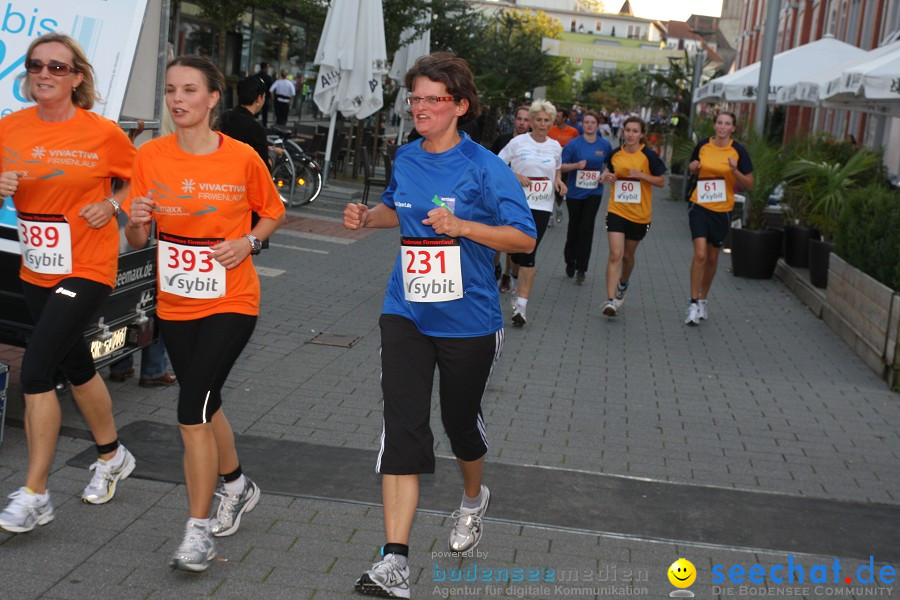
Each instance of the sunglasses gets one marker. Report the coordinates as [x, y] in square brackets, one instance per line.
[53, 67]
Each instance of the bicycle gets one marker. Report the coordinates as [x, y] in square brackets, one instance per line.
[296, 174]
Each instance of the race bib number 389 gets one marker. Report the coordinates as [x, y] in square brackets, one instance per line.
[187, 268]
[432, 269]
[46, 242]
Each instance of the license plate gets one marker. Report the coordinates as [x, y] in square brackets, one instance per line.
[101, 348]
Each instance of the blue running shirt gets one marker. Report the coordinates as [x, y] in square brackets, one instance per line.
[476, 186]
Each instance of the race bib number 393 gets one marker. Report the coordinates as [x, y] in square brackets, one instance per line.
[187, 268]
[46, 242]
[627, 191]
[432, 269]
[711, 190]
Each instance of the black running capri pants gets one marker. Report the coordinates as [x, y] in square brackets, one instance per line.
[202, 352]
[541, 220]
[408, 359]
[61, 313]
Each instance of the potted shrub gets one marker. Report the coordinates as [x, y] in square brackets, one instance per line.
[754, 248]
[824, 187]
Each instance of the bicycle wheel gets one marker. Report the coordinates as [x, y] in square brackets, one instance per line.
[307, 184]
[283, 176]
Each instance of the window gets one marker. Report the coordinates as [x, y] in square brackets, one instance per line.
[574, 25]
[597, 26]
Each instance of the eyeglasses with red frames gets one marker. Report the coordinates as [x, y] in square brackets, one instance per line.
[413, 100]
[54, 67]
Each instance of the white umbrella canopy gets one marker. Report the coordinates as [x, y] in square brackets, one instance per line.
[874, 78]
[352, 57]
[808, 91]
[713, 90]
[788, 67]
[404, 59]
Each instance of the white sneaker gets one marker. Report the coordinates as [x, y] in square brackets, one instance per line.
[704, 309]
[518, 317]
[386, 578]
[610, 309]
[693, 314]
[25, 511]
[620, 294]
[466, 532]
[102, 487]
[196, 549]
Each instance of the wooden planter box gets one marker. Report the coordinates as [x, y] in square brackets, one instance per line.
[866, 314]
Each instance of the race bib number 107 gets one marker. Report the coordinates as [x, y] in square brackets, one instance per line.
[432, 269]
[187, 268]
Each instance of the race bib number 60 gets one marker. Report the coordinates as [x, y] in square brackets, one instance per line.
[627, 191]
[46, 243]
[187, 268]
[432, 269]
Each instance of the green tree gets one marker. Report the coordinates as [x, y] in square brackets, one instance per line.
[622, 88]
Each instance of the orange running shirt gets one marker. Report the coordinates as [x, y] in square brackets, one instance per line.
[563, 135]
[206, 197]
[68, 165]
[621, 162]
[714, 166]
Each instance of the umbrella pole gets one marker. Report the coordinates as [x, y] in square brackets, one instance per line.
[400, 132]
[328, 145]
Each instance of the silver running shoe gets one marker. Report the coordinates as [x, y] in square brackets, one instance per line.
[386, 579]
[196, 550]
[232, 507]
[102, 487]
[467, 529]
[25, 512]
[610, 308]
[620, 294]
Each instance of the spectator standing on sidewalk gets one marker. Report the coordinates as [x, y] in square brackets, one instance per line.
[631, 170]
[268, 81]
[205, 325]
[283, 91]
[154, 367]
[455, 204]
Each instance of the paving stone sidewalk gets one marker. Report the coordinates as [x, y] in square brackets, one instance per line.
[762, 397]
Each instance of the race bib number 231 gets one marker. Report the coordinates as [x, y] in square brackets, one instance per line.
[432, 269]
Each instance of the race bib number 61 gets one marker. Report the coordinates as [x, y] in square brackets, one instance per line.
[187, 268]
[711, 190]
[432, 269]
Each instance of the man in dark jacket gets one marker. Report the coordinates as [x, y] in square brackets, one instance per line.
[267, 79]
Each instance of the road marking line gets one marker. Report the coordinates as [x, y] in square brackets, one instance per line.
[315, 236]
[274, 245]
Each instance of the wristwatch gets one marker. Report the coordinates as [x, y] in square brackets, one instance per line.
[255, 244]
[115, 205]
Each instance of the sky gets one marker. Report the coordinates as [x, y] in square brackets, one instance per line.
[668, 10]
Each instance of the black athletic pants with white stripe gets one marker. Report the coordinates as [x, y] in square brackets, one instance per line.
[408, 361]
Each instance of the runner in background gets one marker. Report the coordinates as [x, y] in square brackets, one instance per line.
[536, 161]
[631, 170]
[563, 133]
[200, 188]
[70, 248]
[583, 159]
[509, 281]
[455, 204]
[720, 163]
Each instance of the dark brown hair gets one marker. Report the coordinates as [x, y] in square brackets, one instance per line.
[454, 73]
[215, 81]
[639, 121]
[85, 94]
[730, 114]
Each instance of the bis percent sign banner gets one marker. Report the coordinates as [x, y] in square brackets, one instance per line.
[108, 30]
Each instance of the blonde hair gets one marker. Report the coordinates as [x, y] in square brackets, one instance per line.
[85, 94]
[541, 105]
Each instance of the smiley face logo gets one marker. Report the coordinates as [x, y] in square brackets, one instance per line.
[682, 573]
